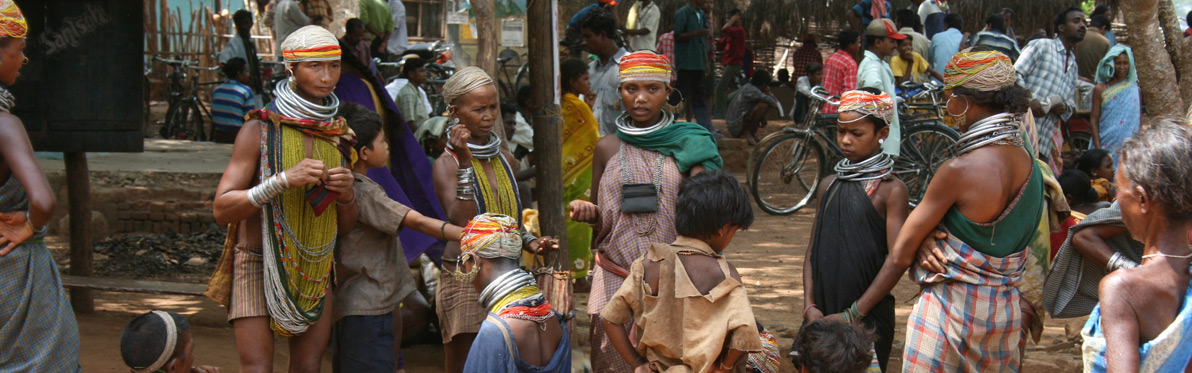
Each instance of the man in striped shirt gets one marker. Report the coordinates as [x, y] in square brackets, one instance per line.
[231, 101]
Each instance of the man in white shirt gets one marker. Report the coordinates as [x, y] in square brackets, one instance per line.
[642, 26]
[399, 38]
[287, 17]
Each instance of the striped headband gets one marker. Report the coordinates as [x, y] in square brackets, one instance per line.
[492, 236]
[983, 71]
[645, 66]
[171, 342]
[310, 43]
[866, 103]
[12, 22]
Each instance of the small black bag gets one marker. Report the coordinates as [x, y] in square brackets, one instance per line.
[639, 198]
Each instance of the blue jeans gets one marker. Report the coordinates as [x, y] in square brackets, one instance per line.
[363, 344]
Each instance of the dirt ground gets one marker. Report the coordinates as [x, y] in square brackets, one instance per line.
[769, 257]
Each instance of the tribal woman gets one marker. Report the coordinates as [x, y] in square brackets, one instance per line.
[288, 195]
[635, 178]
[989, 200]
[1144, 320]
[521, 332]
[862, 209]
[37, 324]
[473, 176]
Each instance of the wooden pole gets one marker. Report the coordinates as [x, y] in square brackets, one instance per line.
[78, 182]
[548, 127]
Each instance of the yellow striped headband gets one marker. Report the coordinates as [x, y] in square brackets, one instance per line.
[645, 66]
[311, 43]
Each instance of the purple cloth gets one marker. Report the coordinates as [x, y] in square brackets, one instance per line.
[407, 180]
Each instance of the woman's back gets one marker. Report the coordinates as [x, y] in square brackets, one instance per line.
[995, 187]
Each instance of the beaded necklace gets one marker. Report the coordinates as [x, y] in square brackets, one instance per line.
[514, 295]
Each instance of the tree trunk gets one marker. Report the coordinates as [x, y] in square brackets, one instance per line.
[486, 36]
[1177, 48]
[1155, 72]
[548, 128]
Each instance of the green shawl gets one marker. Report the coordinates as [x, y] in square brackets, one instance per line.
[688, 143]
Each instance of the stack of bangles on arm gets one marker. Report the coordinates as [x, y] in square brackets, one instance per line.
[464, 191]
[852, 315]
[1119, 261]
[268, 190]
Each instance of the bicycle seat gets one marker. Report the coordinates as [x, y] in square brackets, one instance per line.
[507, 55]
[421, 47]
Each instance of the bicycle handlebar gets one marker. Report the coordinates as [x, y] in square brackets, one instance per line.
[821, 94]
[175, 62]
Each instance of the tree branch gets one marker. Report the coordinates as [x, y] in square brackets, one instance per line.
[1156, 76]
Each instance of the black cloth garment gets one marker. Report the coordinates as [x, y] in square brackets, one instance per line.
[848, 251]
[254, 65]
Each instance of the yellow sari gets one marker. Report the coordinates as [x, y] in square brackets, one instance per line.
[579, 143]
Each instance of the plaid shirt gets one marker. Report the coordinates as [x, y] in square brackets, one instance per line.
[803, 56]
[840, 75]
[666, 47]
[318, 8]
[1047, 69]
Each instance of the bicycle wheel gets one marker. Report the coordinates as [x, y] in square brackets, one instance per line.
[924, 147]
[197, 123]
[787, 174]
[1078, 143]
[175, 117]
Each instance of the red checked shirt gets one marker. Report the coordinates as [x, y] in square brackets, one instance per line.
[840, 75]
[666, 47]
[733, 45]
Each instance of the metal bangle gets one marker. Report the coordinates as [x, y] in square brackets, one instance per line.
[467, 198]
[1119, 261]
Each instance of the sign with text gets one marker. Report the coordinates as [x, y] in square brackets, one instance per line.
[82, 89]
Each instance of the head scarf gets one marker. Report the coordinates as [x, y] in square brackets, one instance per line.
[645, 66]
[12, 22]
[492, 236]
[1105, 67]
[463, 81]
[983, 71]
[310, 43]
[881, 106]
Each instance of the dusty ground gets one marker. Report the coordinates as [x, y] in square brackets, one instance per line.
[769, 257]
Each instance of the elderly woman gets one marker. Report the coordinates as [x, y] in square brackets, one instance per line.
[36, 316]
[288, 195]
[474, 175]
[1144, 320]
[989, 199]
[521, 332]
[635, 178]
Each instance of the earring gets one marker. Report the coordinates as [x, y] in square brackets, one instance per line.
[293, 84]
[881, 141]
[26, 61]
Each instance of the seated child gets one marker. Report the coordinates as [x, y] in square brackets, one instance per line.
[824, 346]
[372, 272]
[1098, 164]
[522, 332]
[862, 208]
[686, 302]
[748, 106]
[802, 108]
[1082, 199]
[160, 341]
[909, 65]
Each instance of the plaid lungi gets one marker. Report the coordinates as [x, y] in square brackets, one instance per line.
[967, 319]
[458, 306]
[37, 325]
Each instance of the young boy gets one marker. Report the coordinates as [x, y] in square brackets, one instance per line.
[371, 268]
[160, 341]
[686, 301]
[411, 99]
[825, 346]
[909, 65]
[861, 210]
[230, 101]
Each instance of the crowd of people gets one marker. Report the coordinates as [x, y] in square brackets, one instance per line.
[340, 182]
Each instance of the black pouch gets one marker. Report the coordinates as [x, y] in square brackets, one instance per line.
[639, 198]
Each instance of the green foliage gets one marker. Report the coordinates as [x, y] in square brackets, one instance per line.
[1087, 6]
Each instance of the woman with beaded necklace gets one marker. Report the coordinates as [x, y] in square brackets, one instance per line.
[635, 179]
[989, 199]
[475, 175]
[287, 195]
[521, 332]
[40, 333]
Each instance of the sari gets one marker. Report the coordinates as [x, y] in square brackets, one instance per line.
[1120, 103]
[407, 177]
[1169, 352]
[580, 134]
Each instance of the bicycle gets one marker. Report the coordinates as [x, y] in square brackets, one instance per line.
[788, 165]
[510, 84]
[184, 117]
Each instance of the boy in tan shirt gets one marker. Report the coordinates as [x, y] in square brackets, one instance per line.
[688, 306]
